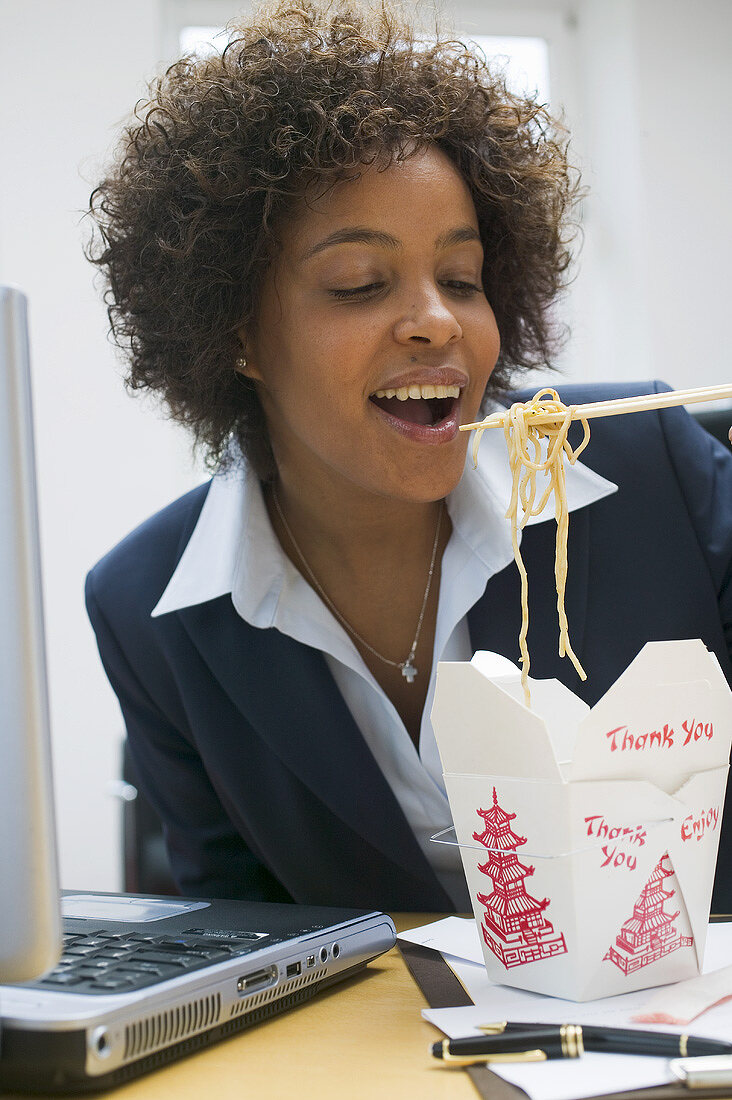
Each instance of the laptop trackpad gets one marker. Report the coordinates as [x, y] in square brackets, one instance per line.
[101, 907]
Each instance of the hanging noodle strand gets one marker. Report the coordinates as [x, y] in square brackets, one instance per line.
[524, 440]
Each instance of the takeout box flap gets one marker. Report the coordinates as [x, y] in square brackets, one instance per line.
[481, 726]
[672, 662]
[560, 709]
[667, 716]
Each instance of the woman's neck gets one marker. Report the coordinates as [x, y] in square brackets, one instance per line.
[376, 562]
[359, 533]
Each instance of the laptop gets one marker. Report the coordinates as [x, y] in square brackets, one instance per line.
[100, 988]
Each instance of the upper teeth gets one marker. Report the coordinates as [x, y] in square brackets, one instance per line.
[415, 392]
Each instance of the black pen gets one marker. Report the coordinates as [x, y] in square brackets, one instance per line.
[519, 1042]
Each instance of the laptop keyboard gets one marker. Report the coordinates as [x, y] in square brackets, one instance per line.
[108, 962]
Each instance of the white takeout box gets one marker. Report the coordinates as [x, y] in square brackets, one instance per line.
[588, 836]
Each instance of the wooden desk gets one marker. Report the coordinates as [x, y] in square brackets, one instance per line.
[361, 1040]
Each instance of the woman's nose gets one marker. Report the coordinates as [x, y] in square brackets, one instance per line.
[427, 318]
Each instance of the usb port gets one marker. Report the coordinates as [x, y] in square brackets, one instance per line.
[293, 969]
[311, 960]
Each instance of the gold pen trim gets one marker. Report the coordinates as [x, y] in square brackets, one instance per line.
[683, 1045]
[482, 1059]
[495, 1028]
[519, 1056]
[570, 1036]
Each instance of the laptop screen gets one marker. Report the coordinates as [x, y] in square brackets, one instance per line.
[29, 898]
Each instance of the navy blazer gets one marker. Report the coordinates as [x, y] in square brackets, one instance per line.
[246, 749]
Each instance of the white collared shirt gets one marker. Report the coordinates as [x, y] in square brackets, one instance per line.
[234, 550]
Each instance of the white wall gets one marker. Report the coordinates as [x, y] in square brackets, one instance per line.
[686, 169]
[68, 73]
[652, 127]
[646, 85]
[611, 337]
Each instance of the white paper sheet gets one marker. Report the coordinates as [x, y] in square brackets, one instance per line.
[683, 1002]
[456, 936]
[562, 1079]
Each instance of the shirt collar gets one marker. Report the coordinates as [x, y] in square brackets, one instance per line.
[233, 548]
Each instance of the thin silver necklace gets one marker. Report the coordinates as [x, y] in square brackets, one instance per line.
[408, 669]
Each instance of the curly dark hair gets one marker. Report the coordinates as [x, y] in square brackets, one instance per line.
[226, 147]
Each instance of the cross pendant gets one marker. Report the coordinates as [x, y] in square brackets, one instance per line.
[408, 670]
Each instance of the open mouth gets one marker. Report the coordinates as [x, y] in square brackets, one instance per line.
[424, 405]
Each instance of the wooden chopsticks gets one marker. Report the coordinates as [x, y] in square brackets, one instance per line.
[614, 408]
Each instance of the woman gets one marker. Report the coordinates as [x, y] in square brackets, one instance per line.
[324, 250]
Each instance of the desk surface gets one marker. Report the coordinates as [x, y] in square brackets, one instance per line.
[362, 1040]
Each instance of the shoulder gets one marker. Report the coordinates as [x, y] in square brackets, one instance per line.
[137, 570]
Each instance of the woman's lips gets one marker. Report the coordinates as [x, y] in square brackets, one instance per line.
[441, 431]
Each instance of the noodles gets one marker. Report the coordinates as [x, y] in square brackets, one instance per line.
[524, 442]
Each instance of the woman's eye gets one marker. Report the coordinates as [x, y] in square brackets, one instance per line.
[457, 286]
[357, 291]
[464, 288]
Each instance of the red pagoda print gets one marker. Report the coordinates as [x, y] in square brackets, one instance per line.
[650, 933]
[514, 926]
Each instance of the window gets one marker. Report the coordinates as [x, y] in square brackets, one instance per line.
[525, 61]
[201, 40]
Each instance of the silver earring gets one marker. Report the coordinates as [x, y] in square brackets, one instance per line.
[241, 362]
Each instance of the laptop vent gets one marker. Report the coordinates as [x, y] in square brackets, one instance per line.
[267, 995]
[171, 1026]
[197, 1042]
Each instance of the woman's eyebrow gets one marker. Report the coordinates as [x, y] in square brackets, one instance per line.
[354, 235]
[460, 235]
[363, 235]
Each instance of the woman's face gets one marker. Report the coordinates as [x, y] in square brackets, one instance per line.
[376, 294]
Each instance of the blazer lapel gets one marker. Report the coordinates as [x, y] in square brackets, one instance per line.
[286, 693]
